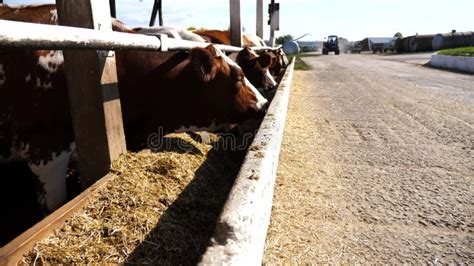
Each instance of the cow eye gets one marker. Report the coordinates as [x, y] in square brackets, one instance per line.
[240, 81]
[239, 78]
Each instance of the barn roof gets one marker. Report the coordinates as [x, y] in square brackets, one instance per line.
[380, 39]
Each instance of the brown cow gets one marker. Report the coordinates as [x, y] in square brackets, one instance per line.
[43, 14]
[223, 37]
[258, 74]
[201, 88]
[279, 61]
[256, 68]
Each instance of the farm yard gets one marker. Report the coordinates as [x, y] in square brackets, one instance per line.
[376, 164]
[158, 140]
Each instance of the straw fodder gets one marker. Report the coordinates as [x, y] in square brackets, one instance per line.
[160, 208]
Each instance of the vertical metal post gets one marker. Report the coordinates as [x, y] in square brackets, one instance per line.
[235, 24]
[160, 13]
[271, 12]
[93, 92]
[112, 8]
[156, 9]
[259, 29]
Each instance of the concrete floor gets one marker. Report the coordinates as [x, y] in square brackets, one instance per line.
[377, 164]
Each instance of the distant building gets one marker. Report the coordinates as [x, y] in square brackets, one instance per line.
[368, 43]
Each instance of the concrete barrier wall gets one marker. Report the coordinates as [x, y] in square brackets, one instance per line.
[241, 229]
[461, 63]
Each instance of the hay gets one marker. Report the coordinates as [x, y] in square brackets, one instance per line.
[160, 208]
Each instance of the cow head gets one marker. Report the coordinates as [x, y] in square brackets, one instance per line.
[222, 94]
[279, 61]
[256, 68]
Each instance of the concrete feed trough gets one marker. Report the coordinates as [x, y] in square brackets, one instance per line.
[241, 229]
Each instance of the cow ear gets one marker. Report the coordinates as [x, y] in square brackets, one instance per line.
[263, 61]
[213, 50]
[203, 64]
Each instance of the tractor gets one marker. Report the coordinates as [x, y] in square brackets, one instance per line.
[331, 45]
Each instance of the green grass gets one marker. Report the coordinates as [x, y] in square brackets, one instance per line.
[463, 51]
[300, 64]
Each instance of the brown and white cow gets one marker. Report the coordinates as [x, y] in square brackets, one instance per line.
[201, 89]
[279, 60]
[43, 14]
[256, 67]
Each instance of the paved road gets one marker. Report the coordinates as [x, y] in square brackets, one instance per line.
[377, 164]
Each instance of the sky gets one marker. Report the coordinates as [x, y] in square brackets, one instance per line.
[352, 19]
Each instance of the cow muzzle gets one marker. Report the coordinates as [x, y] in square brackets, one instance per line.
[262, 111]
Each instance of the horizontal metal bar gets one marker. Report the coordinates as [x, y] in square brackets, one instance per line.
[259, 48]
[40, 36]
[174, 44]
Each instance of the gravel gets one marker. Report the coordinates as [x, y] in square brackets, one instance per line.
[377, 165]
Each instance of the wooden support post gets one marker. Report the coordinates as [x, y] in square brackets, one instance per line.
[113, 12]
[259, 30]
[235, 25]
[93, 92]
[156, 9]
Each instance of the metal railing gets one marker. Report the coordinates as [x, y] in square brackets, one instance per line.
[52, 37]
